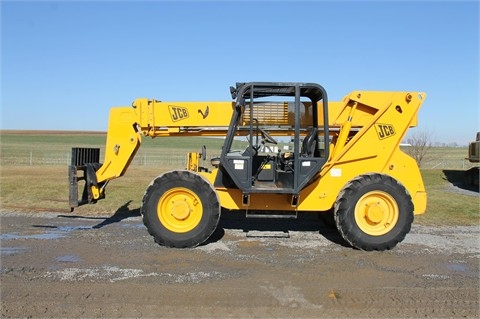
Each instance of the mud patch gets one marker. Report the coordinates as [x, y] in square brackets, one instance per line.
[289, 296]
[110, 273]
[67, 259]
[114, 273]
[119, 272]
[211, 247]
[12, 250]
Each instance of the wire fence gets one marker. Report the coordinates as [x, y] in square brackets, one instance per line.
[462, 164]
[173, 159]
[38, 158]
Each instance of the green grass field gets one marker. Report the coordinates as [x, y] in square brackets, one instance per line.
[34, 175]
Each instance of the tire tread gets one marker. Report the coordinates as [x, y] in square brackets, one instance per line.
[344, 213]
[160, 234]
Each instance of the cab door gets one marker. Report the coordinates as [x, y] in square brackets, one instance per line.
[288, 110]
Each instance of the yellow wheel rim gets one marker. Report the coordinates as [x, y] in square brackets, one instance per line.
[179, 210]
[376, 213]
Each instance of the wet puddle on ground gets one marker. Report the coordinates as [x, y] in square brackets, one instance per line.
[45, 235]
[7, 251]
[68, 259]
[134, 226]
[52, 232]
[460, 268]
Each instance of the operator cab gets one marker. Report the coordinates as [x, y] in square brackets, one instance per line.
[277, 141]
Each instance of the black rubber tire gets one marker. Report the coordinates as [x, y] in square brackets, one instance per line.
[208, 199]
[344, 213]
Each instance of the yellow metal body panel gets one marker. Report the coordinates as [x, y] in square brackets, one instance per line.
[381, 119]
[366, 127]
[123, 141]
[193, 161]
[322, 194]
[157, 118]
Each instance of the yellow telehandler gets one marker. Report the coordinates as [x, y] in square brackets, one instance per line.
[343, 157]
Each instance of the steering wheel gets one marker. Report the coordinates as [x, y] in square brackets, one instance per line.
[267, 137]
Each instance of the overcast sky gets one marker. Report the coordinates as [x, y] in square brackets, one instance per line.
[64, 64]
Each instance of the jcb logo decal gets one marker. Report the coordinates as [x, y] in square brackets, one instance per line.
[384, 130]
[178, 113]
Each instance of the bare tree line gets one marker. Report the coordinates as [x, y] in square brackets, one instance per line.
[419, 144]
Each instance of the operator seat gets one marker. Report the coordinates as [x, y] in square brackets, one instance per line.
[309, 142]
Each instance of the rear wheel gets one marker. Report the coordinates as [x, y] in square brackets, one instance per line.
[180, 209]
[374, 212]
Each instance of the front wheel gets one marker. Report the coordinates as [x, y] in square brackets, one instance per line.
[180, 209]
[374, 212]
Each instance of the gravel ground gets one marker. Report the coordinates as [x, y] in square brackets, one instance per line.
[83, 267]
